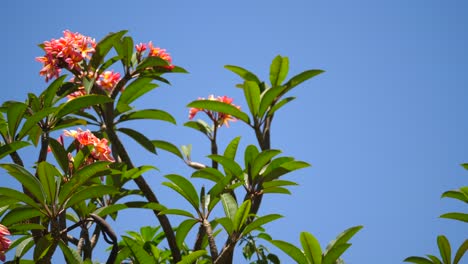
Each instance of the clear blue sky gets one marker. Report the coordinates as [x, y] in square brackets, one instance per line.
[385, 127]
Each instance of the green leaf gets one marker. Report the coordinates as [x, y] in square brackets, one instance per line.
[80, 177]
[90, 192]
[250, 154]
[28, 180]
[279, 70]
[127, 45]
[291, 250]
[192, 257]
[81, 102]
[229, 205]
[434, 259]
[48, 175]
[241, 215]
[103, 47]
[33, 120]
[229, 165]
[461, 251]
[183, 229]
[19, 214]
[268, 98]
[50, 92]
[150, 62]
[283, 169]
[71, 255]
[418, 260]
[260, 222]
[279, 190]
[220, 107]
[209, 174]
[42, 247]
[184, 187]
[343, 238]
[231, 149]
[456, 216]
[135, 90]
[227, 224]
[278, 183]
[243, 73]
[108, 63]
[262, 160]
[15, 113]
[199, 125]
[334, 254]
[311, 247]
[138, 251]
[60, 154]
[23, 247]
[177, 212]
[457, 194]
[139, 138]
[280, 104]
[12, 147]
[252, 96]
[153, 114]
[300, 78]
[445, 250]
[25, 228]
[167, 146]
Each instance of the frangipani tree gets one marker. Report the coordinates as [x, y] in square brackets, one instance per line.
[81, 179]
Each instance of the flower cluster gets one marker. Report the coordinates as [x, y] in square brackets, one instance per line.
[218, 118]
[66, 52]
[154, 52]
[4, 241]
[100, 147]
[108, 79]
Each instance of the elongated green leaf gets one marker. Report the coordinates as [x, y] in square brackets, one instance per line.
[229, 165]
[268, 98]
[24, 228]
[260, 222]
[283, 169]
[199, 125]
[47, 176]
[250, 154]
[418, 260]
[135, 90]
[71, 255]
[279, 105]
[461, 251]
[153, 114]
[15, 113]
[241, 215]
[33, 120]
[177, 212]
[457, 194]
[279, 70]
[221, 108]
[19, 214]
[60, 154]
[209, 174]
[335, 253]
[138, 251]
[445, 250]
[262, 160]
[28, 180]
[81, 177]
[90, 192]
[434, 259]
[311, 247]
[103, 47]
[50, 92]
[183, 229]
[81, 102]
[127, 45]
[108, 63]
[229, 205]
[243, 73]
[252, 96]
[231, 149]
[343, 238]
[42, 247]
[300, 78]
[184, 187]
[456, 216]
[278, 183]
[139, 138]
[12, 147]
[291, 250]
[279, 190]
[23, 247]
[192, 257]
[150, 62]
[167, 146]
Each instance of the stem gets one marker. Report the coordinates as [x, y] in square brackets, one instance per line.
[209, 233]
[214, 145]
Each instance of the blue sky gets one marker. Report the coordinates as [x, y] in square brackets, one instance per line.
[384, 128]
